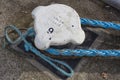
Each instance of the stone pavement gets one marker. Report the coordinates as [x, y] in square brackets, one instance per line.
[18, 12]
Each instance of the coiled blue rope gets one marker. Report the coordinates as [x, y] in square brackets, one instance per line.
[65, 52]
[28, 46]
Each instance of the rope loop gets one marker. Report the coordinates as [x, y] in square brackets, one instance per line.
[65, 52]
[11, 27]
[29, 47]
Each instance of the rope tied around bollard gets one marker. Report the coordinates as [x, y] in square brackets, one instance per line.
[64, 52]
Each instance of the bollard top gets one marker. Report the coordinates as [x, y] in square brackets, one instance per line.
[56, 24]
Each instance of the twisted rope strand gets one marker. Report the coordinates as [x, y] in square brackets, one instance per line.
[96, 23]
[83, 52]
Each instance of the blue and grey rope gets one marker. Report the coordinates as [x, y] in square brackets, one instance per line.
[65, 52]
[29, 47]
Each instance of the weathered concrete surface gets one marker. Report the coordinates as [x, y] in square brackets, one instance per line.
[18, 12]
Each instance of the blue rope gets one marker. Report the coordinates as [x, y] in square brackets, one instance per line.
[65, 52]
[29, 47]
[91, 52]
[96, 23]
[83, 52]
